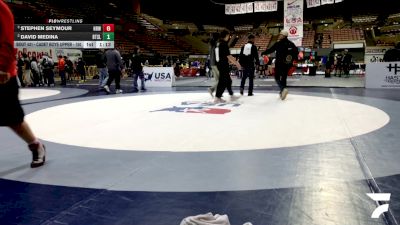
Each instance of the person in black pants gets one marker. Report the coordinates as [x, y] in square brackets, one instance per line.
[20, 65]
[115, 67]
[248, 55]
[286, 53]
[11, 113]
[137, 70]
[223, 58]
[80, 67]
[329, 64]
[347, 60]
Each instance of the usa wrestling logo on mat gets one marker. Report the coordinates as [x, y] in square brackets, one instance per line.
[201, 107]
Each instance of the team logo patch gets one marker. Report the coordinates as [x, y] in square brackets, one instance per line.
[201, 108]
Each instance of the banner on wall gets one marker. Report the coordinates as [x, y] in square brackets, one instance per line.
[293, 18]
[265, 6]
[325, 2]
[227, 9]
[237, 8]
[313, 3]
[72, 54]
[382, 75]
[243, 8]
[250, 7]
[374, 54]
[159, 76]
[257, 6]
[270, 6]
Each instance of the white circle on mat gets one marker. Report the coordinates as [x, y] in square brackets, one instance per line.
[26, 94]
[139, 123]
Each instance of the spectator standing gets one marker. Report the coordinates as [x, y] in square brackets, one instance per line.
[347, 60]
[392, 55]
[137, 70]
[115, 67]
[48, 66]
[286, 53]
[61, 70]
[35, 72]
[27, 71]
[80, 67]
[101, 62]
[20, 66]
[223, 58]
[213, 63]
[248, 56]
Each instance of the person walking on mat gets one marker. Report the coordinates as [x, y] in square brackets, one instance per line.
[286, 53]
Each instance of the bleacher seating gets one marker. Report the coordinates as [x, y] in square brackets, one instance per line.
[387, 40]
[182, 25]
[308, 39]
[346, 34]
[273, 31]
[152, 19]
[156, 43]
[243, 28]
[146, 23]
[126, 46]
[213, 28]
[364, 19]
[262, 41]
[393, 19]
[154, 40]
[390, 29]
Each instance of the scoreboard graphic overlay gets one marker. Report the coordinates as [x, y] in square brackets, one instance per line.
[75, 36]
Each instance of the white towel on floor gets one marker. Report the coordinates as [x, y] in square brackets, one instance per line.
[206, 219]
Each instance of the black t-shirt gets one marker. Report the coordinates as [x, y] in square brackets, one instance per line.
[27, 64]
[339, 59]
[347, 59]
[20, 63]
[223, 53]
[136, 65]
[101, 60]
[392, 55]
[286, 51]
[248, 61]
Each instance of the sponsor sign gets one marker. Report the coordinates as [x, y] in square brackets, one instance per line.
[383, 75]
[293, 18]
[374, 54]
[159, 76]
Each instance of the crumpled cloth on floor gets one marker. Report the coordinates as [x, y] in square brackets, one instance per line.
[206, 219]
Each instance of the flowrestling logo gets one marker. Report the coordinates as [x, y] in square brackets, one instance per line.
[380, 197]
[201, 108]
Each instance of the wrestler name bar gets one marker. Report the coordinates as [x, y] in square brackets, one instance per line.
[59, 36]
[20, 28]
[65, 44]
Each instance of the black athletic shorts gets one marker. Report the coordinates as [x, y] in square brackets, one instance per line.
[11, 112]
